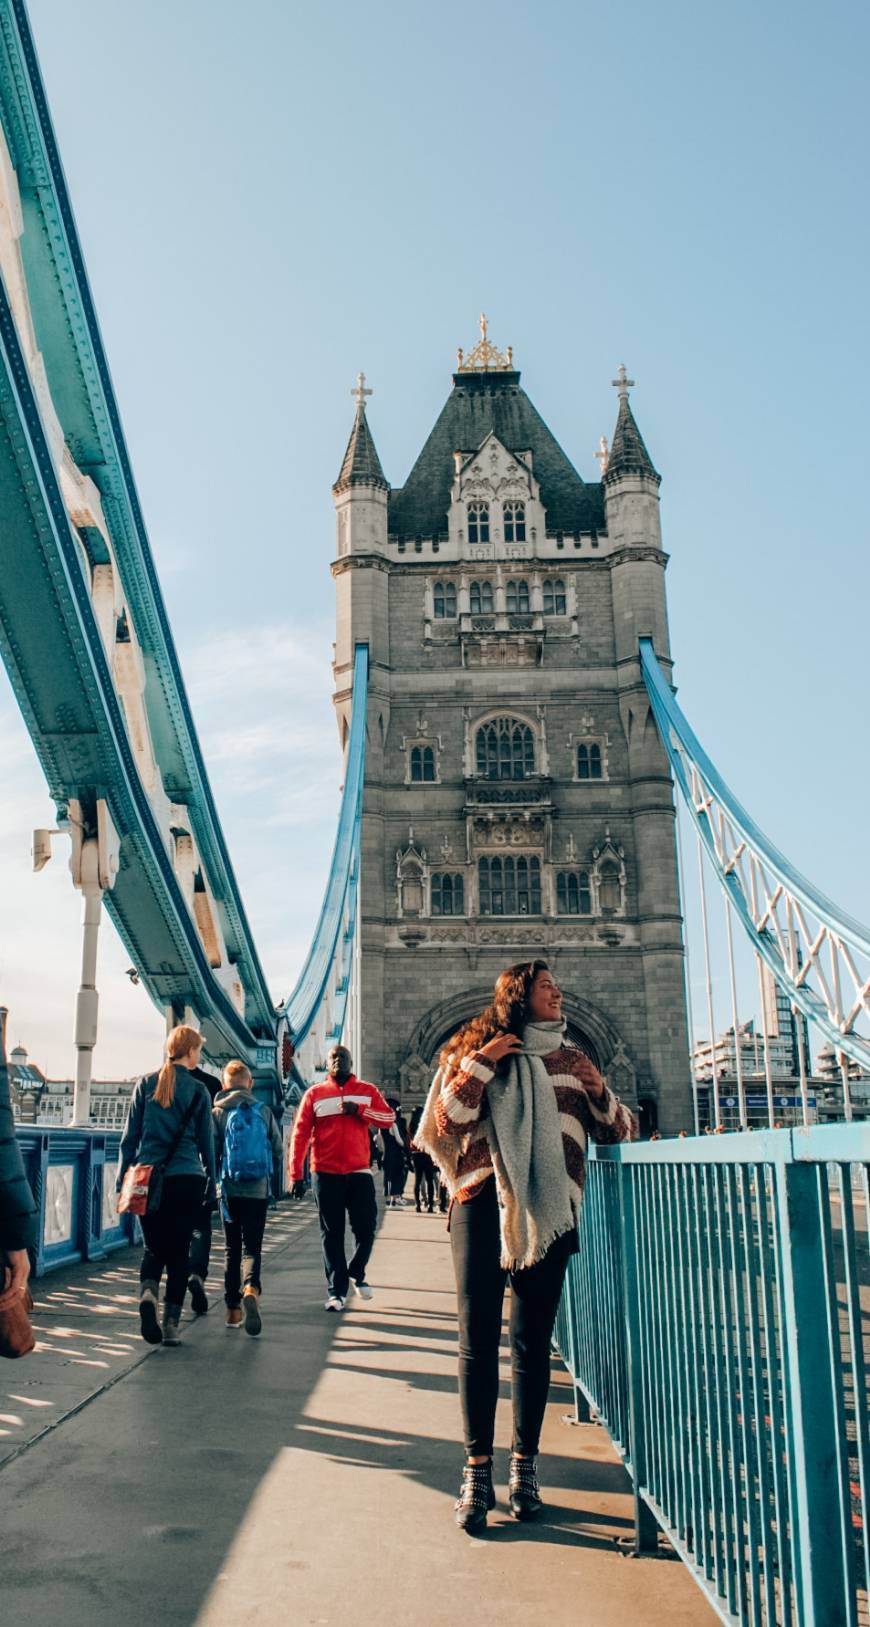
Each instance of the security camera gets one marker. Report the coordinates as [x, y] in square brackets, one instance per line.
[41, 848]
[133, 974]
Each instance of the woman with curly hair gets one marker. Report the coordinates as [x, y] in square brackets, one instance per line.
[508, 1119]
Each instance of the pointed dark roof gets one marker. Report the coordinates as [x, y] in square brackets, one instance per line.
[361, 466]
[628, 454]
[480, 404]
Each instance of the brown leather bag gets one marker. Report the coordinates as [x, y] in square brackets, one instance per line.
[17, 1337]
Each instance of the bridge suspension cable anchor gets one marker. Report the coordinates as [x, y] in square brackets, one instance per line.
[94, 863]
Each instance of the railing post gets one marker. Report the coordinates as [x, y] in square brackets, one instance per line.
[645, 1524]
[811, 1414]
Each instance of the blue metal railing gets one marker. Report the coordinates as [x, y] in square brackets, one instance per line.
[339, 907]
[818, 954]
[717, 1320]
[71, 1174]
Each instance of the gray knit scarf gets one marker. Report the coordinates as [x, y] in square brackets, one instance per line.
[525, 1137]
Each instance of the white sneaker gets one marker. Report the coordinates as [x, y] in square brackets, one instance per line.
[334, 1303]
[364, 1290]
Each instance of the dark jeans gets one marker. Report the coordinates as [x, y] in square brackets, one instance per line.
[480, 1286]
[395, 1174]
[352, 1196]
[243, 1230]
[200, 1244]
[168, 1232]
[424, 1176]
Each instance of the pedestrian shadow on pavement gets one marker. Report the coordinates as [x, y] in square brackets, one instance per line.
[429, 1462]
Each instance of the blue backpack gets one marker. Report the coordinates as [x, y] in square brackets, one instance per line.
[247, 1153]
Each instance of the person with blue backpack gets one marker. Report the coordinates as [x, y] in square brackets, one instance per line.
[246, 1138]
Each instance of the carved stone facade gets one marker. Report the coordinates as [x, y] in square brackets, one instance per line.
[517, 800]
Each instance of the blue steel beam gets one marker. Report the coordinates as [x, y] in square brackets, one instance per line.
[814, 949]
[52, 647]
[341, 897]
[69, 339]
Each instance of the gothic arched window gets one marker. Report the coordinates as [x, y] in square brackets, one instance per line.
[505, 750]
[589, 761]
[509, 886]
[481, 599]
[517, 597]
[478, 522]
[444, 601]
[573, 893]
[422, 764]
[555, 600]
[514, 522]
[448, 894]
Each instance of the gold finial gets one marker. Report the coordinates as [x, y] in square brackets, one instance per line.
[485, 358]
[360, 393]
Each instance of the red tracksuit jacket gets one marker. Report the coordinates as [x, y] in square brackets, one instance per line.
[339, 1141]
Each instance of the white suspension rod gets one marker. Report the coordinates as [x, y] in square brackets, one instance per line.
[768, 1076]
[714, 1077]
[681, 872]
[738, 1050]
[797, 1019]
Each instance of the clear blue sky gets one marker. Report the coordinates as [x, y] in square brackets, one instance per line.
[271, 197]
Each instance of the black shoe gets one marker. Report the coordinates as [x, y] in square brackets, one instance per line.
[251, 1308]
[198, 1296]
[476, 1497]
[148, 1320]
[524, 1496]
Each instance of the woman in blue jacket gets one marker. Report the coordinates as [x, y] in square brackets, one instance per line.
[169, 1124]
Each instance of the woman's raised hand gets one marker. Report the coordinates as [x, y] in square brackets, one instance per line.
[501, 1045]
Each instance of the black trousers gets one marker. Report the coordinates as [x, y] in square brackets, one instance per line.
[244, 1239]
[339, 1197]
[424, 1176]
[200, 1244]
[168, 1232]
[480, 1287]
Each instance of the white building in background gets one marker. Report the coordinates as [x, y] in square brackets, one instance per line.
[41, 1101]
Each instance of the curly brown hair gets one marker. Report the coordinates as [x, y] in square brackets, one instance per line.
[505, 1015]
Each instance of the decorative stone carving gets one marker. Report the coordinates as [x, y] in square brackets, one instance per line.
[621, 1075]
[415, 1077]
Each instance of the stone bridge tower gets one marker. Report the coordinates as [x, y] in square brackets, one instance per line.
[517, 801]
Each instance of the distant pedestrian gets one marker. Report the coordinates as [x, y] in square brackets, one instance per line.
[395, 1153]
[247, 1140]
[334, 1119]
[424, 1169]
[200, 1243]
[169, 1126]
[508, 1119]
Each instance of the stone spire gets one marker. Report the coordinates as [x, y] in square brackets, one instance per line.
[628, 454]
[361, 465]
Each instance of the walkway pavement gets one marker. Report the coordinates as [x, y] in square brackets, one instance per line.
[306, 1476]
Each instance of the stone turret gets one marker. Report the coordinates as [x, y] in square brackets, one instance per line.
[631, 495]
[360, 569]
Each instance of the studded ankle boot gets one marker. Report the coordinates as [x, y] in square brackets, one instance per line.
[476, 1497]
[524, 1496]
[171, 1319]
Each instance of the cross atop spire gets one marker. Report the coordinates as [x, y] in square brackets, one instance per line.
[622, 383]
[361, 465]
[360, 393]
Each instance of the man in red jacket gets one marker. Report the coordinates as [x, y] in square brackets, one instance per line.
[334, 1118]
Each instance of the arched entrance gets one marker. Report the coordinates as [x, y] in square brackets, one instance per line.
[588, 1028]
